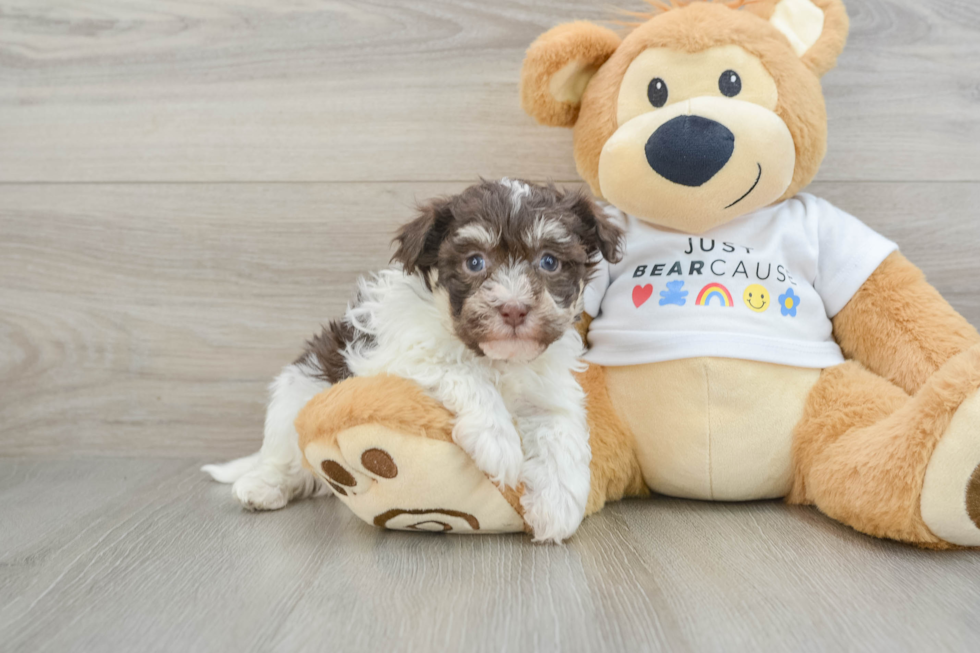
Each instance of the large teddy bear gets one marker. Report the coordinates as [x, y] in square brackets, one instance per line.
[755, 342]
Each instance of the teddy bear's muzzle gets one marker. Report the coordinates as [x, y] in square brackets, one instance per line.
[697, 164]
[690, 150]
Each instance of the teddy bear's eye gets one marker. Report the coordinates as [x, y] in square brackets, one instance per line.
[730, 83]
[657, 92]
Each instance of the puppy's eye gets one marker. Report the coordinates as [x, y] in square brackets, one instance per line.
[549, 263]
[475, 263]
[657, 92]
[730, 84]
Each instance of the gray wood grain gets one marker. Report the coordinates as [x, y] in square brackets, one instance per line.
[169, 307]
[241, 90]
[147, 555]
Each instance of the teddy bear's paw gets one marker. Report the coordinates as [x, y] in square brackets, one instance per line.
[406, 482]
[950, 501]
[343, 478]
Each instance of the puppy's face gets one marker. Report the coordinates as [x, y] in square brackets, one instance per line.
[510, 261]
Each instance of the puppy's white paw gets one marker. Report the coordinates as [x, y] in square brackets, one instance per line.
[497, 453]
[255, 493]
[552, 513]
[268, 488]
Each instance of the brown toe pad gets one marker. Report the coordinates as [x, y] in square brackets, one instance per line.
[379, 462]
[973, 497]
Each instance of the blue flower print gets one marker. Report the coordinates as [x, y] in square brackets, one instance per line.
[674, 294]
[788, 303]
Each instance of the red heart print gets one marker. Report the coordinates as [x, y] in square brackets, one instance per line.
[641, 294]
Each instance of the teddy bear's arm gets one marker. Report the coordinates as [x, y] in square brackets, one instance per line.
[900, 327]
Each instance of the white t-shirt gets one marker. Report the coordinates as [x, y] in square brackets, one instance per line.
[763, 287]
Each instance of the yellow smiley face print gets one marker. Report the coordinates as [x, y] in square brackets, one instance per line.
[756, 298]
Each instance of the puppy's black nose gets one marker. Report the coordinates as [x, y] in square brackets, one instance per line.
[690, 150]
[513, 313]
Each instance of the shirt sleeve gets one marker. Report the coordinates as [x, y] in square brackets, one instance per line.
[596, 290]
[599, 283]
[848, 253]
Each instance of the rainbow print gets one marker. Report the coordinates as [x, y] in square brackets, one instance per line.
[711, 291]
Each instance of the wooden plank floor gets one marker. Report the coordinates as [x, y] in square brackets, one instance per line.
[188, 189]
[150, 556]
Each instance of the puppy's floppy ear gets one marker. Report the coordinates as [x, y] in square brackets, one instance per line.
[419, 240]
[601, 233]
[558, 67]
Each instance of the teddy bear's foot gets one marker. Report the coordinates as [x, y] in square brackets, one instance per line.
[891, 465]
[386, 449]
[404, 482]
[951, 491]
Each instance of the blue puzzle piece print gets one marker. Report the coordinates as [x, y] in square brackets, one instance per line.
[673, 294]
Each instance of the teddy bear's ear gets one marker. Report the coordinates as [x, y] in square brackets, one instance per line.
[558, 67]
[817, 29]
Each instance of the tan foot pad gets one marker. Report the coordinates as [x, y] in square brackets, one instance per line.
[406, 482]
[951, 490]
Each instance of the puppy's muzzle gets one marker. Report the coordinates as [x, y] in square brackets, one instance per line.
[690, 150]
[513, 313]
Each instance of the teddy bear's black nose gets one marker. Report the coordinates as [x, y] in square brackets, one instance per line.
[690, 150]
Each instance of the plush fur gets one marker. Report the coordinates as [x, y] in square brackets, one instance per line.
[866, 440]
[615, 469]
[386, 400]
[853, 417]
[870, 426]
[822, 55]
[577, 48]
[698, 27]
[900, 327]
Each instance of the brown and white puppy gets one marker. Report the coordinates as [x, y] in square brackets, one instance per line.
[480, 314]
[511, 259]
